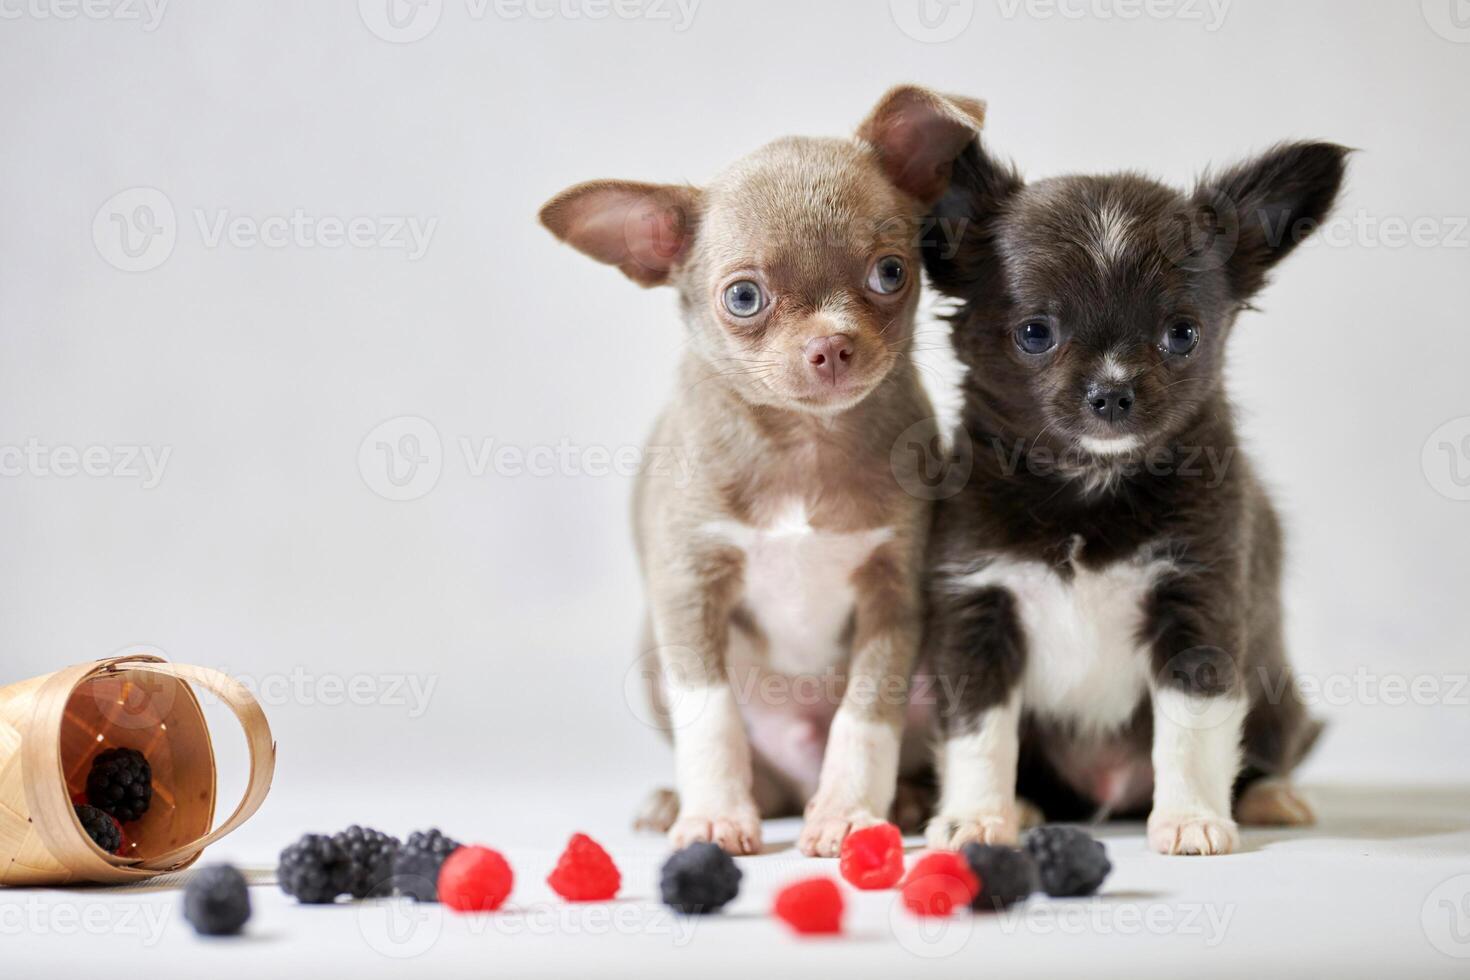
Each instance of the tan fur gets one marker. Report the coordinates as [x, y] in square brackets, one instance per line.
[806, 219]
[1273, 803]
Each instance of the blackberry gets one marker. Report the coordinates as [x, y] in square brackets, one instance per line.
[699, 879]
[1007, 875]
[1068, 861]
[120, 783]
[416, 868]
[314, 870]
[216, 901]
[103, 830]
[370, 853]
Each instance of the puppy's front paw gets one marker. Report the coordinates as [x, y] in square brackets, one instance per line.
[824, 830]
[737, 830]
[1191, 833]
[951, 831]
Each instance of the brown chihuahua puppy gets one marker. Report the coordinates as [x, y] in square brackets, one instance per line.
[795, 553]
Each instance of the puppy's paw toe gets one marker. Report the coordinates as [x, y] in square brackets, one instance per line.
[949, 832]
[1191, 833]
[1273, 803]
[737, 832]
[823, 832]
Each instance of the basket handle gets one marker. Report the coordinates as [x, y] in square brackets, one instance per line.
[257, 738]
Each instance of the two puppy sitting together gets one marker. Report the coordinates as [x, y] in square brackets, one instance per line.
[1102, 623]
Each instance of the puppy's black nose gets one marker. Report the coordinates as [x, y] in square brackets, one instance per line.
[1111, 403]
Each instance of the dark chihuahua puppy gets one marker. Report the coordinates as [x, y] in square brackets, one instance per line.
[1105, 599]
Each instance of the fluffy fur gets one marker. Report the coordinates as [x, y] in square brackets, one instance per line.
[795, 552]
[1105, 587]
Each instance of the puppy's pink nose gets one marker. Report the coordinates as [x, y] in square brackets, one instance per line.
[830, 356]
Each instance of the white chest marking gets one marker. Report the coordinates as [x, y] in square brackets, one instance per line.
[1084, 659]
[798, 585]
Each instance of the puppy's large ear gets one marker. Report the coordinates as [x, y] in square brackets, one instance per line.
[960, 247]
[1275, 201]
[918, 133]
[643, 229]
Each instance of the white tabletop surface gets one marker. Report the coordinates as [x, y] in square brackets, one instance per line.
[1380, 887]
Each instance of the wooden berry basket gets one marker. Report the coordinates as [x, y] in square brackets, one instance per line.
[50, 729]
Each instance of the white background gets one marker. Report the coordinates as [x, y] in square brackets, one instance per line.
[261, 370]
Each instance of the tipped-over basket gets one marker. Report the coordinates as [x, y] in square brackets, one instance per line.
[52, 727]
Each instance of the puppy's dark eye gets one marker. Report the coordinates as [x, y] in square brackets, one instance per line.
[1036, 337]
[743, 298]
[1181, 337]
[887, 276]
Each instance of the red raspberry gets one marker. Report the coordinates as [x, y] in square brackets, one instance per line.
[474, 879]
[873, 857]
[940, 883]
[585, 873]
[812, 907]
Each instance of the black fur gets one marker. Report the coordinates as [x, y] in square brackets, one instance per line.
[1112, 264]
